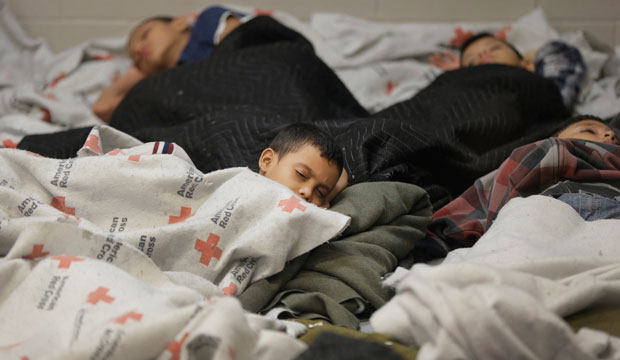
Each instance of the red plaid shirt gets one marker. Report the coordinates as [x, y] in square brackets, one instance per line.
[529, 170]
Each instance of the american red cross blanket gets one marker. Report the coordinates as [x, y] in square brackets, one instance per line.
[230, 227]
[127, 251]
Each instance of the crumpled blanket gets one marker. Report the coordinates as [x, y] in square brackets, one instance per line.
[230, 227]
[341, 279]
[538, 262]
[58, 301]
[529, 170]
[44, 92]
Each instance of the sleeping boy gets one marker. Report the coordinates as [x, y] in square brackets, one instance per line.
[585, 175]
[557, 61]
[305, 159]
[161, 43]
[588, 127]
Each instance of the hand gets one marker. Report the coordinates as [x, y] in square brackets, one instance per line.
[111, 96]
[445, 60]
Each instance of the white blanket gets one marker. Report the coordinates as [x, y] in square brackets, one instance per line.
[230, 226]
[539, 261]
[111, 255]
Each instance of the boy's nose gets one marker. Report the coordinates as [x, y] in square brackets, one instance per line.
[304, 192]
[611, 136]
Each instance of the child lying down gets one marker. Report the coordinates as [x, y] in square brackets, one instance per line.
[163, 42]
[578, 166]
[231, 226]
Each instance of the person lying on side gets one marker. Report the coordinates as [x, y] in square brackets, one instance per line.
[305, 159]
[555, 60]
[163, 42]
[580, 165]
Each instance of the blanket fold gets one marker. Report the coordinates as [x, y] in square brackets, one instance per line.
[342, 278]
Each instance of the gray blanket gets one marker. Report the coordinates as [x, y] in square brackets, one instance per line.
[388, 219]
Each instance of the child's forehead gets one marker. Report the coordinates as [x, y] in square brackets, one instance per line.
[589, 122]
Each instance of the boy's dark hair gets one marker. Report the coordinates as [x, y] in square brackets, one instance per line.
[294, 136]
[578, 118]
[481, 35]
[163, 18]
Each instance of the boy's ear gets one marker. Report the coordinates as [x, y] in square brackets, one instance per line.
[267, 158]
[180, 23]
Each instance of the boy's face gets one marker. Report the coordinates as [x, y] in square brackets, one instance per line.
[151, 44]
[304, 171]
[489, 50]
[589, 130]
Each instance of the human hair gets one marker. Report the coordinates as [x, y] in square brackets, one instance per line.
[481, 35]
[295, 136]
[163, 18]
[577, 118]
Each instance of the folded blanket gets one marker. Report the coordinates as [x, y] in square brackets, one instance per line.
[539, 262]
[342, 279]
[529, 170]
[231, 227]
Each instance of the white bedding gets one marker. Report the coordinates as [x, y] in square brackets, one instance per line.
[128, 251]
[538, 262]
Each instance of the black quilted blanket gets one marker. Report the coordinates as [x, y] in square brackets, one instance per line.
[224, 110]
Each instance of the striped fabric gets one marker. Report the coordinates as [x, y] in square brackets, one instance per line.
[162, 147]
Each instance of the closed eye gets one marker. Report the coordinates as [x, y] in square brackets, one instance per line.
[588, 131]
[320, 193]
[301, 174]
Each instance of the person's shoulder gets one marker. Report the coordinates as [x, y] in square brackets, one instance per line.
[558, 47]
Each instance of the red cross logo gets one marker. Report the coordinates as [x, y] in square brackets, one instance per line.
[61, 76]
[289, 205]
[114, 152]
[130, 315]
[59, 203]
[460, 37]
[93, 143]
[101, 294]
[230, 289]
[135, 158]
[37, 252]
[8, 143]
[209, 249]
[66, 260]
[185, 213]
[389, 87]
[263, 12]
[503, 32]
[175, 347]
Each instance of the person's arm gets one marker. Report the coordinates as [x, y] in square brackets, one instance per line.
[111, 96]
[445, 60]
[564, 65]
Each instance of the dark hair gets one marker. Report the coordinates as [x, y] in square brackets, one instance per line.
[163, 18]
[577, 118]
[481, 35]
[294, 136]
[166, 19]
